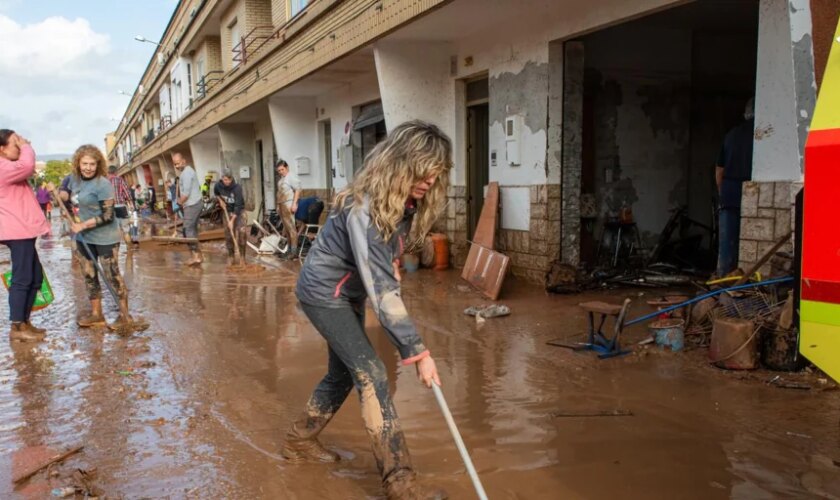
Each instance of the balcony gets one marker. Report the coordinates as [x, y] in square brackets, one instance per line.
[252, 43]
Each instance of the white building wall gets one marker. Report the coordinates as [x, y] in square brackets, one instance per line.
[205, 151]
[781, 104]
[263, 132]
[295, 133]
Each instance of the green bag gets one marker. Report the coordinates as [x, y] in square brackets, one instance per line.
[43, 298]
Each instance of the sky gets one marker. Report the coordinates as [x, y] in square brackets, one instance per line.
[63, 63]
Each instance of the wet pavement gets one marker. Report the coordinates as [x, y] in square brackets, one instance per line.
[197, 405]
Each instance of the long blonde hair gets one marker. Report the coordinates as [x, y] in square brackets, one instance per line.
[413, 151]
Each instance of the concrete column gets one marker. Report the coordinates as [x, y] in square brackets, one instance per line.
[205, 152]
[572, 153]
[237, 142]
[415, 83]
[785, 89]
[296, 137]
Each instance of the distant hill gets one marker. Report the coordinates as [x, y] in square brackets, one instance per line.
[54, 157]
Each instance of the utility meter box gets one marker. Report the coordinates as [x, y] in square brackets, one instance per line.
[513, 140]
[244, 172]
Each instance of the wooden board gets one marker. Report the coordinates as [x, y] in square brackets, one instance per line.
[485, 269]
[485, 230]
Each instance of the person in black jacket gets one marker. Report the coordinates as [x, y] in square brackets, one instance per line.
[389, 207]
[229, 194]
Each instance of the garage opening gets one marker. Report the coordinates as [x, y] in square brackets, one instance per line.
[658, 96]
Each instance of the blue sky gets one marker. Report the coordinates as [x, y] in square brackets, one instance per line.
[64, 61]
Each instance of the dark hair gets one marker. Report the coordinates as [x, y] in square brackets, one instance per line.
[4, 136]
[281, 163]
[112, 169]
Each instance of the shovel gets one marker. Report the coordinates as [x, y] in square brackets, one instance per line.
[232, 232]
[462, 449]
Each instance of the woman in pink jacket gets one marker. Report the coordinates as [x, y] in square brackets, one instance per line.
[21, 222]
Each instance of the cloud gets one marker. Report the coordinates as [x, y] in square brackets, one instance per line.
[53, 47]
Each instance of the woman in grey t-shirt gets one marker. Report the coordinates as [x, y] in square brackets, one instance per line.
[96, 224]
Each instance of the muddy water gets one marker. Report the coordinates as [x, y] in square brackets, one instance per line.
[196, 406]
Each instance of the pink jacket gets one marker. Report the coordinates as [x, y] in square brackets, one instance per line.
[21, 217]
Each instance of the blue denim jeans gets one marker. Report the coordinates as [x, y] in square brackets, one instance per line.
[27, 277]
[729, 226]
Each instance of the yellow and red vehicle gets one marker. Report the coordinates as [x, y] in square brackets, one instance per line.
[819, 306]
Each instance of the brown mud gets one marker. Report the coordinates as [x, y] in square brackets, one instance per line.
[197, 406]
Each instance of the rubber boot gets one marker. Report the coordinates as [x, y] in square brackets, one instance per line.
[95, 318]
[20, 333]
[125, 319]
[402, 485]
[34, 329]
[302, 442]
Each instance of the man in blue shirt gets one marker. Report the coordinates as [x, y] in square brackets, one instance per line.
[733, 168]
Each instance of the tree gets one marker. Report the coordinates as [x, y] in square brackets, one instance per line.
[56, 171]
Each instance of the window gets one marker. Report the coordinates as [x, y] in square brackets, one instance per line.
[235, 42]
[295, 6]
[189, 81]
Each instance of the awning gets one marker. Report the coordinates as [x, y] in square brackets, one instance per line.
[370, 115]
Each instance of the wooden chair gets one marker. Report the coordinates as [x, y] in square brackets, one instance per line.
[598, 341]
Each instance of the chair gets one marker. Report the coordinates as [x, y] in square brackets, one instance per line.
[312, 226]
[598, 341]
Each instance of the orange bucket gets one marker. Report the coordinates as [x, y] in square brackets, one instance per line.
[441, 244]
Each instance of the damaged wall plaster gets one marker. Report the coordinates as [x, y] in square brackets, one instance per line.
[237, 151]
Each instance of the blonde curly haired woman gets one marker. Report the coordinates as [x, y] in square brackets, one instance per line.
[93, 193]
[390, 206]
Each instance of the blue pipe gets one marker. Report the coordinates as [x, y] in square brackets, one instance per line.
[652, 315]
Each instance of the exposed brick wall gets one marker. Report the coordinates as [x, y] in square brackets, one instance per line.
[235, 11]
[532, 252]
[278, 12]
[766, 216]
[258, 15]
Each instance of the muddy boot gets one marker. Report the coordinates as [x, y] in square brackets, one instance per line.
[402, 485]
[230, 261]
[95, 318]
[20, 333]
[302, 443]
[124, 321]
[34, 329]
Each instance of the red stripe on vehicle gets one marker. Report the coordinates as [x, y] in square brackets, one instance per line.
[341, 284]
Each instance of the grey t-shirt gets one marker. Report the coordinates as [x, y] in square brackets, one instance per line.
[86, 194]
[286, 189]
[189, 186]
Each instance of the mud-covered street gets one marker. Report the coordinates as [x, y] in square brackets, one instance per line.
[197, 405]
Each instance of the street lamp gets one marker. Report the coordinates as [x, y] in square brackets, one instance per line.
[141, 38]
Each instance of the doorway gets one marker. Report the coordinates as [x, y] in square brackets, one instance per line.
[326, 148]
[478, 145]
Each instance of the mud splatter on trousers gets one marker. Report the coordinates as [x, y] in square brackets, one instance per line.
[241, 232]
[108, 256]
[353, 363]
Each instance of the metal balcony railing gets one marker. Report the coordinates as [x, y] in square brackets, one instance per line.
[206, 83]
[252, 43]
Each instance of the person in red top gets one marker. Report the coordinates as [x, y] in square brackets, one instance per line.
[21, 222]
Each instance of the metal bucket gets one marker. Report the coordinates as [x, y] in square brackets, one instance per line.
[669, 333]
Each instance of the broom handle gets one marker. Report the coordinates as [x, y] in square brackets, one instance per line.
[462, 449]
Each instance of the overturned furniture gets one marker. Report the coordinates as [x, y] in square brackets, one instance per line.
[598, 341]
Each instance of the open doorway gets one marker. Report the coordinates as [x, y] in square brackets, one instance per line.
[326, 150]
[478, 145]
[659, 95]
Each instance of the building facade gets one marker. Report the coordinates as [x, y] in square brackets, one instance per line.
[579, 109]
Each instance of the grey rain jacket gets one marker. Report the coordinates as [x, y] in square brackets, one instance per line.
[350, 262]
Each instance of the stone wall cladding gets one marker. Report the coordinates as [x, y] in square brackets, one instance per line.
[766, 216]
[532, 252]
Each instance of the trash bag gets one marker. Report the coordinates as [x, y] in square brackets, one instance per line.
[43, 298]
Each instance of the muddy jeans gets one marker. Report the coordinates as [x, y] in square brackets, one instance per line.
[289, 228]
[191, 216]
[108, 256]
[353, 362]
[241, 231]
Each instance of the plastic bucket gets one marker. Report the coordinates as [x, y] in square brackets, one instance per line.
[441, 251]
[669, 333]
[410, 262]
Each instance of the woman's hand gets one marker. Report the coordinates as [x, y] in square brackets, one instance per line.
[21, 140]
[427, 371]
[77, 227]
